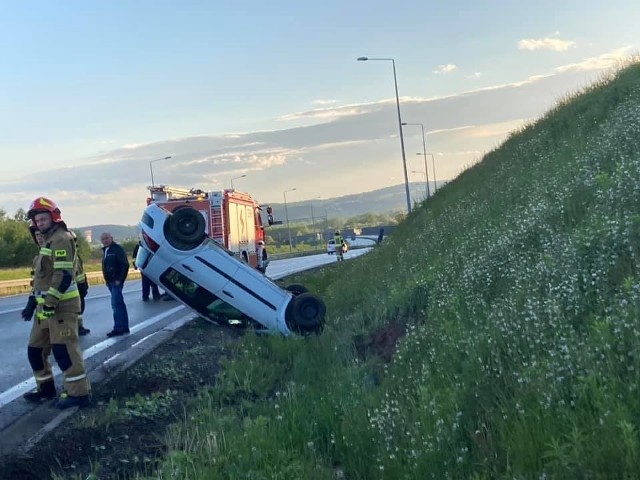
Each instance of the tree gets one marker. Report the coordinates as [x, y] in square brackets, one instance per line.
[16, 243]
[84, 250]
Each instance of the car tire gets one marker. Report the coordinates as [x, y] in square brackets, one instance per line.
[305, 314]
[296, 289]
[185, 228]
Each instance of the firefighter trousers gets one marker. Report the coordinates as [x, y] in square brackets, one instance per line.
[58, 335]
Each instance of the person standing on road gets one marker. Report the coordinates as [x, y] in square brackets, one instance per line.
[337, 238]
[83, 288]
[147, 285]
[263, 258]
[115, 268]
[57, 299]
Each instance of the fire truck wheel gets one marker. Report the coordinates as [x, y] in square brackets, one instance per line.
[306, 315]
[296, 289]
[186, 229]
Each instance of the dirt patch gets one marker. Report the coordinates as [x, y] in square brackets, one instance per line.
[122, 433]
[381, 342]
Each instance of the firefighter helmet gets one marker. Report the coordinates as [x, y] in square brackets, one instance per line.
[42, 204]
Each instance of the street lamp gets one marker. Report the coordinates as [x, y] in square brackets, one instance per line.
[426, 181]
[313, 219]
[424, 149]
[286, 214]
[236, 178]
[404, 158]
[433, 162]
[151, 167]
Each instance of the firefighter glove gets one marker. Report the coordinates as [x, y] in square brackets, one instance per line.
[29, 309]
[47, 312]
[83, 289]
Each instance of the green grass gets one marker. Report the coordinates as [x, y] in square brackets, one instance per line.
[25, 272]
[519, 286]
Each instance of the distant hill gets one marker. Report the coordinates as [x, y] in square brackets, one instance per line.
[384, 200]
[120, 233]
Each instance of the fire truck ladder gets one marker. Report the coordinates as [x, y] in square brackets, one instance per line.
[174, 193]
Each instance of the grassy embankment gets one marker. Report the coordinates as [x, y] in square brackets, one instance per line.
[519, 286]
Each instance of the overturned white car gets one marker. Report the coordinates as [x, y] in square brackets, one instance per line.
[176, 254]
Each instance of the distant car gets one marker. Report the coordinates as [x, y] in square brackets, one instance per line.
[331, 247]
[176, 254]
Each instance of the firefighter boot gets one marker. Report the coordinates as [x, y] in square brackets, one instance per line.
[67, 401]
[46, 391]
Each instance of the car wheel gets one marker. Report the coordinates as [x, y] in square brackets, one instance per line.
[305, 314]
[296, 289]
[185, 228]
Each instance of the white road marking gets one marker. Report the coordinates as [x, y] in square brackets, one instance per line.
[16, 391]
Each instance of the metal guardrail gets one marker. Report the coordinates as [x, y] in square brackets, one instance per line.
[16, 287]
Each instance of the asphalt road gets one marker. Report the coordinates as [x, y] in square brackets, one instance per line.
[145, 319]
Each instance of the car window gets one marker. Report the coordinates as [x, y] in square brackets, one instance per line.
[199, 298]
[147, 219]
[188, 291]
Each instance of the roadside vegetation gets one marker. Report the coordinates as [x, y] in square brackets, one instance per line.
[495, 334]
[517, 288]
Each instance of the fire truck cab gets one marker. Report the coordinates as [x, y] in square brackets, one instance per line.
[232, 219]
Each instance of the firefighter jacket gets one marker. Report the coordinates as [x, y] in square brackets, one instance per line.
[338, 239]
[54, 273]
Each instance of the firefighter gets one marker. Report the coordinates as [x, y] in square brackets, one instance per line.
[263, 258]
[55, 328]
[83, 288]
[337, 238]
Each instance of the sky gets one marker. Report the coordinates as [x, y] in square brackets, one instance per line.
[93, 94]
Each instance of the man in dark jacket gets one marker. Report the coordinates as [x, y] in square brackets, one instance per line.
[115, 268]
[147, 285]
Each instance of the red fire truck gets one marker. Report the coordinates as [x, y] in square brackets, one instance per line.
[233, 219]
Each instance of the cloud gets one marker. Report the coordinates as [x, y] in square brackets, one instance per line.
[324, 102]
[330, 113]
[601, 62]
[345, 149]
[553, 44]
[448, 68]
[475, 75]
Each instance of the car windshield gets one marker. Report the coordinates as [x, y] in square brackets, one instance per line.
[200, 299]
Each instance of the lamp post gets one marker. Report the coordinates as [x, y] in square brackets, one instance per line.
[313, 219]
[286, 214]
[151, 167]
[236, 178]
[404, 158]
[426, 181]
[433, 162]
[424, 149]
